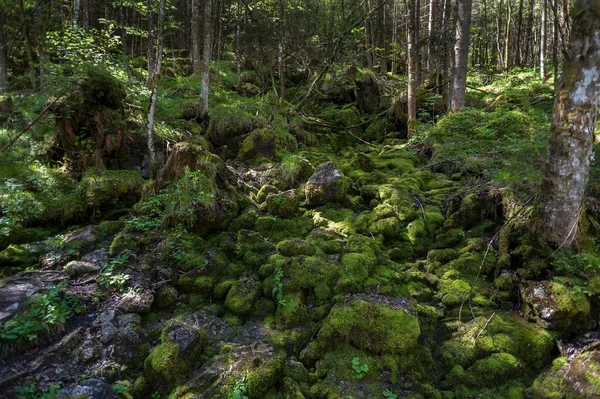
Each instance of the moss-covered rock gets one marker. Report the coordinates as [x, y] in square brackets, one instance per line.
[264, 191]
[253, 248]
[295, 247]
[180, 349]
[265, 142]
[284, 204]
[372, 323]
[555, 305]
[327, 185]
[242, 296]
[165, 297]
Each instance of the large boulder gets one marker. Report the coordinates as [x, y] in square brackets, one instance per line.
[555, 306]
[326, 185]
[574, 375]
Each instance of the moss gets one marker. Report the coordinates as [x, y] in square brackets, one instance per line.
[370, 326]
[295, 247]
[202, 285]
[416, 230]
[124, 242]
[222, 289]
[294, 168]
[168, 363]
[165, 297]
[253, 248]
[450, 238]
[505, 333]
[493, 370]
[278, 229]
[261, 379]
[291, 389]
[229, 121]
[265, 190]
[355, 270]
[242, 296]
[265, 142]
[284, 204]
[441, 255]
[17, 255]
[453, 291]
[388, 227]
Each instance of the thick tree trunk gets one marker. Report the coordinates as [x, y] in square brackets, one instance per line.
[529, 41]
[238, 52]
[76, 6]
[196, 58]
[412, 66]
[561, 194]
[206, 53]
[461, 55]
[3, 54]
[368, 35]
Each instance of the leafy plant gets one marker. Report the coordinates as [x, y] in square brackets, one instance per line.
[239, 389]
[45, 312]
[33, 392]
[359, 368]
[389, 394]
[278, 287]
[111, 280]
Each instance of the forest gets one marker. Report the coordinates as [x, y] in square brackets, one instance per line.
[299, 199]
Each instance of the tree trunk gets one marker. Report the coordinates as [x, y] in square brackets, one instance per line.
[238, 53]
[154, 88]
[196, 58]
[3, 54]
[76, 6]
[461, 55]
[430, 35]
[206, 53]
[518, 38]
[412, 66]
[564, 174]
[543, 42]
[507, 35]
[529, 41]
[368, 35]
[151, 42]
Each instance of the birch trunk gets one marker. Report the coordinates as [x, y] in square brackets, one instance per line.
[412, 66]
[561, 195]
[196, 58]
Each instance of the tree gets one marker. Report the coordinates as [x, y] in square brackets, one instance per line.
[413, 53]
[543, 42]
[196, 60]
[3, 54]
[565, 170]
[461, 54]
[206, 53]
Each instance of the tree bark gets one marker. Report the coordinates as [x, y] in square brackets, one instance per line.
[412, 66]
[518, 38]
[196, 58]
[461, 55]
[154, 87]
[151, 42]
[529, 41]
[206, 53]
[430, 36]
[566, 167]
[3, 54]
[543, 42]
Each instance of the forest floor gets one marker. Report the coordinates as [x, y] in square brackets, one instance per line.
[281, 254]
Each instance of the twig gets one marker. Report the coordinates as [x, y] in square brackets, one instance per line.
[483, 328]
[421, 205]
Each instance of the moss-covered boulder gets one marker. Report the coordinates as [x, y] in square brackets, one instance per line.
[574, 378]
[505, 334]
[179, 351]
[242, 295]
[265, 142]
[372, 323]
[556, 306]
[326, 185]
[253, 248]
[284, 204]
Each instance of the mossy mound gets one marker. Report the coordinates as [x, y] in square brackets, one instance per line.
[529, 346]
[179, 351]
[372, 323]
[266, 143]
[284, 204]
[242, 295]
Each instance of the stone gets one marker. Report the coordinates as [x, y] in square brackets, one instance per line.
[77, 268]
[128, 319]
[136, 302]
[13, 295]
[326, 185]
[555, 306]
[107, 332]
[284, 205]
[93, 388]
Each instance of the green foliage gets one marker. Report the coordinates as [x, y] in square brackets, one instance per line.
[110, 279]
[33, 392]
[389, 394]
[278, 287]
[45, 313]
[359, 368]
[239, 390]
